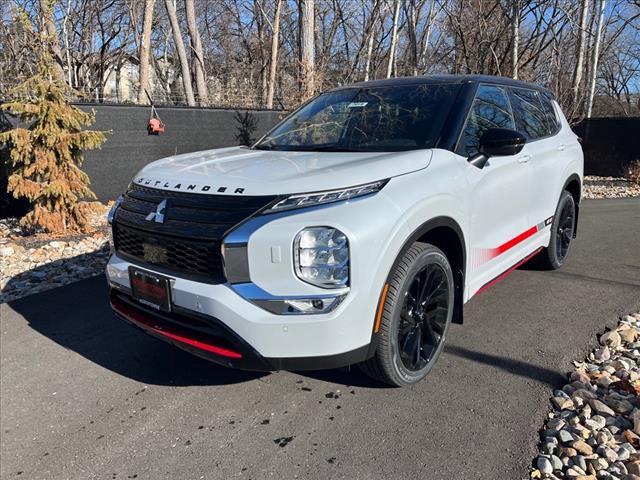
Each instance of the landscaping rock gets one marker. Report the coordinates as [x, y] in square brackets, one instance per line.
[593, 432]
[609, 187]
[32, 263]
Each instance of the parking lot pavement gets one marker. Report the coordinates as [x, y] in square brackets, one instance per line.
[83, 395]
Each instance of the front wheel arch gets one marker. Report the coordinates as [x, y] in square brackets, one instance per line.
[445, 233]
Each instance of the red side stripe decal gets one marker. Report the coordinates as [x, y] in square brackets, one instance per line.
[514, 241]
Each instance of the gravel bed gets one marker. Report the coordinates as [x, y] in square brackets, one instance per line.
[593, 431]
[609, 187]
[32, 263]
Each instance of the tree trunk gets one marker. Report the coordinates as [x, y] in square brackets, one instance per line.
[515, 33]
[394, 39]
[49, 24]
[275, 42]
[577, 73]
[67, 51]
[412, 26]
[196, 48]
[145, 48]
[372, 36]
[182, 53]
[307, 49]
[427, 35]
[596, 54]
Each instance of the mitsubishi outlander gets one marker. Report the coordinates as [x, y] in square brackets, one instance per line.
[354, 231]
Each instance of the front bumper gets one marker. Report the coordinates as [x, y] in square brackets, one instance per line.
[215, 322]
[209, 338]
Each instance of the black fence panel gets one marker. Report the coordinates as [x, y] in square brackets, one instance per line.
[609, 144]
[129, 147]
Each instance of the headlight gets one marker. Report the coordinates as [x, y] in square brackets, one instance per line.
[322, 257]
[112, 211]
[319, 198]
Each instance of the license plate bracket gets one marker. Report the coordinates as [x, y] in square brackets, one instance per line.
[150, 289]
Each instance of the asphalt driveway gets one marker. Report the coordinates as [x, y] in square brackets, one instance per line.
[83, 395]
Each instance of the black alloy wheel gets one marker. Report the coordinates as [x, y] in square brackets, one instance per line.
[414, 318]
[423, 317]
[563, 230]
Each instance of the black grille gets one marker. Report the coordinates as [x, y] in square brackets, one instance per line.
[189, 240]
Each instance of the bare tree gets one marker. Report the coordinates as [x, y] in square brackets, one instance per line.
[275, 42]
[515, 34]
[307, 48]
[595, 57]
[145, 47]
[394, 39]
[49, 25]
[577, 72]
[180, 50]
[196, 48]
[267, 52]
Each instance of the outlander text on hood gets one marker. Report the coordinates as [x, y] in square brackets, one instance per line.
[354, 231]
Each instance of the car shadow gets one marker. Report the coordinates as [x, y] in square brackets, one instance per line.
[77, 316]
[510, 365]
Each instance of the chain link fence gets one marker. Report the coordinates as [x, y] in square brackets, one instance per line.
[225, 99]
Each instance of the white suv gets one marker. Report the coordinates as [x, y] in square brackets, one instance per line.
[354, 231]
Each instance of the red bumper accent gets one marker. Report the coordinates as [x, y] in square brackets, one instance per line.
[147, 323]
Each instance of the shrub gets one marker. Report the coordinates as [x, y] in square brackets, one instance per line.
[46, 154]
[633, 172]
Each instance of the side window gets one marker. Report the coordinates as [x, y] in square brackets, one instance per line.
[550, 113]
[490, 109]
[530, 116]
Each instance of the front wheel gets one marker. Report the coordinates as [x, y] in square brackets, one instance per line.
[562, 230]
[415, 318]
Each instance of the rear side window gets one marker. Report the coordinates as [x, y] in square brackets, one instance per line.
[550, 112]
[490, 109]
[530, 116]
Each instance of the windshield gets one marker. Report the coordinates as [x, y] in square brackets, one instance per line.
[375, 119]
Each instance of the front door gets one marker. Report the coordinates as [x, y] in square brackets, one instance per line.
[499, 194]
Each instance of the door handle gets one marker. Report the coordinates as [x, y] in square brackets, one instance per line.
[524, 158]
[561, 147]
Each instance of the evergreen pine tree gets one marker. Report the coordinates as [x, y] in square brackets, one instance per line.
[47, 153]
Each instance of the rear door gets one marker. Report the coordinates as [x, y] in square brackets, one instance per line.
[499, 194]
[536, 117]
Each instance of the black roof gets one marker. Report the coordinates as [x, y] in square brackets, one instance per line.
[434, 79]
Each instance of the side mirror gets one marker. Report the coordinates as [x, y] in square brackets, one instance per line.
[497, 142]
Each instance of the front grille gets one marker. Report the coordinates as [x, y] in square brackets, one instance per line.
[174, 254]
[190, 238]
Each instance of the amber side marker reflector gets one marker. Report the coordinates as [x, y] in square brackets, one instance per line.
[383, 298]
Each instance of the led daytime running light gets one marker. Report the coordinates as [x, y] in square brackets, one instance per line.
[318, 198]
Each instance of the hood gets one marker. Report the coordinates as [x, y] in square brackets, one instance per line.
[240, 170]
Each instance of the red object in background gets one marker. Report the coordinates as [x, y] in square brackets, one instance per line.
[155, 126]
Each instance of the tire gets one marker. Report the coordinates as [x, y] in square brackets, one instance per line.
[414, 322]
[562, 229]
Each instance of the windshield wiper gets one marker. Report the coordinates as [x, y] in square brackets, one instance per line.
[266, 146]
[325, 148]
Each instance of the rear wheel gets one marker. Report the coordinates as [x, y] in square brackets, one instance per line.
[415, 319]
[562, 230]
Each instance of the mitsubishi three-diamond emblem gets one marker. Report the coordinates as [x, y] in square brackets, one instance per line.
[159, 215]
